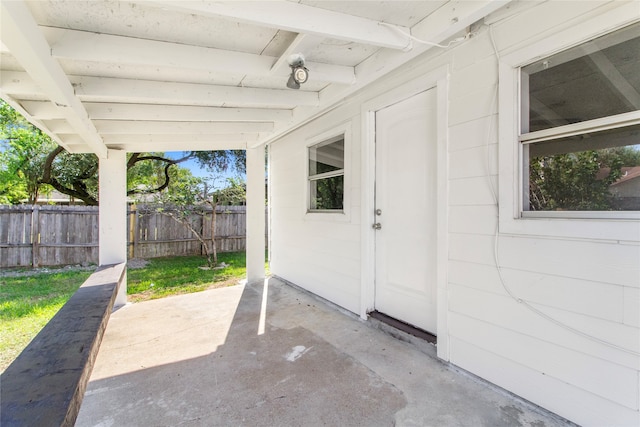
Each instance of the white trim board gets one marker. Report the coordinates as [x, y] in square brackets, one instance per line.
[435, 79]
[609, 226]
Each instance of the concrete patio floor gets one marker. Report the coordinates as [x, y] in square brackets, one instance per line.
[229, 357]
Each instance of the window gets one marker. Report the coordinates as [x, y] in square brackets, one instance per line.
[326, 175]
[580, 127]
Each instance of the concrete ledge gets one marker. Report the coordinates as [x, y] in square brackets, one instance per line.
[45, 385]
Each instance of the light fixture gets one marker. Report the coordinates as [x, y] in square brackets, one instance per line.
[299, 74]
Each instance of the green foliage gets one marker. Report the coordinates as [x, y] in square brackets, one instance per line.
[329, 193]
[578, 181]
[222, 160]
[23, 151]
[235, 193]
[32, 163]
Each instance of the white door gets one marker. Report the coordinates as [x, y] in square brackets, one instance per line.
[405, 283]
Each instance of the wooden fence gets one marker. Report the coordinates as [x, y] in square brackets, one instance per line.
[63, 235]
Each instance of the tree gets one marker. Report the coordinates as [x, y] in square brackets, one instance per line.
[188, 204]
[23, 153]
[235, 193]
[32, 162]
[578, 181]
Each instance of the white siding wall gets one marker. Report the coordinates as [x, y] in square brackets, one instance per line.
[590, 285]
[320, 252]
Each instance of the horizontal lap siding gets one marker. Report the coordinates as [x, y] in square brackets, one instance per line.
[315, 251]
[591, 286]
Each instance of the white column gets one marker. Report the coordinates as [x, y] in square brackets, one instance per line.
[255, 214]
[113, 213]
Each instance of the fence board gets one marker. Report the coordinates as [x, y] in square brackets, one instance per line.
[63, 235]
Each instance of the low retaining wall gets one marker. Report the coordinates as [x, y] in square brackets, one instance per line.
[45, 385]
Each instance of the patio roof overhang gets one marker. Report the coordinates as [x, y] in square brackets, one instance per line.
[178, 76]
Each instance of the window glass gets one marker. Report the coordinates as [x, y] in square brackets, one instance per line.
[326, 175]
[596, 79]
[591, 172]
[592, 166]
[327, 194]
[326, 157]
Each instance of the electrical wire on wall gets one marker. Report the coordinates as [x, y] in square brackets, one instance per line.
[496, 241]
[411, 38]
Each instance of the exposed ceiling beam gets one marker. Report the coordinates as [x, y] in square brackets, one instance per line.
[18, 106]
[20, 85]
[102, 89]
[106, 89]
[300, 18]
[444, 23]
[45, 110]
[42, 110]
[104, 48]
[21, 35]
[620, 84]
[112, 111]
[301, 44]
[182, 145]
[112, 127]
[183, 139]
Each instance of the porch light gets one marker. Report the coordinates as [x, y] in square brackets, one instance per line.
[299, 74]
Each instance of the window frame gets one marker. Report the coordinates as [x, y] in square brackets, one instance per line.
[339, 132]
[513, 219]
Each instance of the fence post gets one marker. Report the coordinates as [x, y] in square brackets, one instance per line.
[136, 231]
[35, 236]
[131, 216]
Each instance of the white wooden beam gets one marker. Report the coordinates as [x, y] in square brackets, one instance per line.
[42, 110]
[22, 37]
[141, 147]
[20, 85]
[449, 20]
[104, 48]
[114, 127]
[179, 139]
[113, 90]
[113, 111]
[18, 106]
[301, 44]
[621, 85]
[299, 18]
[101, 89]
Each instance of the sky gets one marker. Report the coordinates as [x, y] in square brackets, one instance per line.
[197, 170]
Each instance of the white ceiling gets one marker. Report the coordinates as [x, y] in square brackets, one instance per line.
[171, 76]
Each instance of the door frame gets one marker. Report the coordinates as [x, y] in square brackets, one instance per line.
[438, 79]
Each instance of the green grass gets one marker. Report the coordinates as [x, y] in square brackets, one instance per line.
[179, 275]
[27, 303]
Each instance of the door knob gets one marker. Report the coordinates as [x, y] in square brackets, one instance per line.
[377, 226]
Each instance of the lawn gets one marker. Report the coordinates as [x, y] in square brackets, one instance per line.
[181, 275]
[28, 302]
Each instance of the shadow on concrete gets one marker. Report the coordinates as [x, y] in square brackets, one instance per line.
[230, 357]
[258, 374]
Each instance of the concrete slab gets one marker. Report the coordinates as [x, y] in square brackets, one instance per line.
[231, 357]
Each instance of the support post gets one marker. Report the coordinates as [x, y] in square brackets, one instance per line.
[113, 214]
[255, 214]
